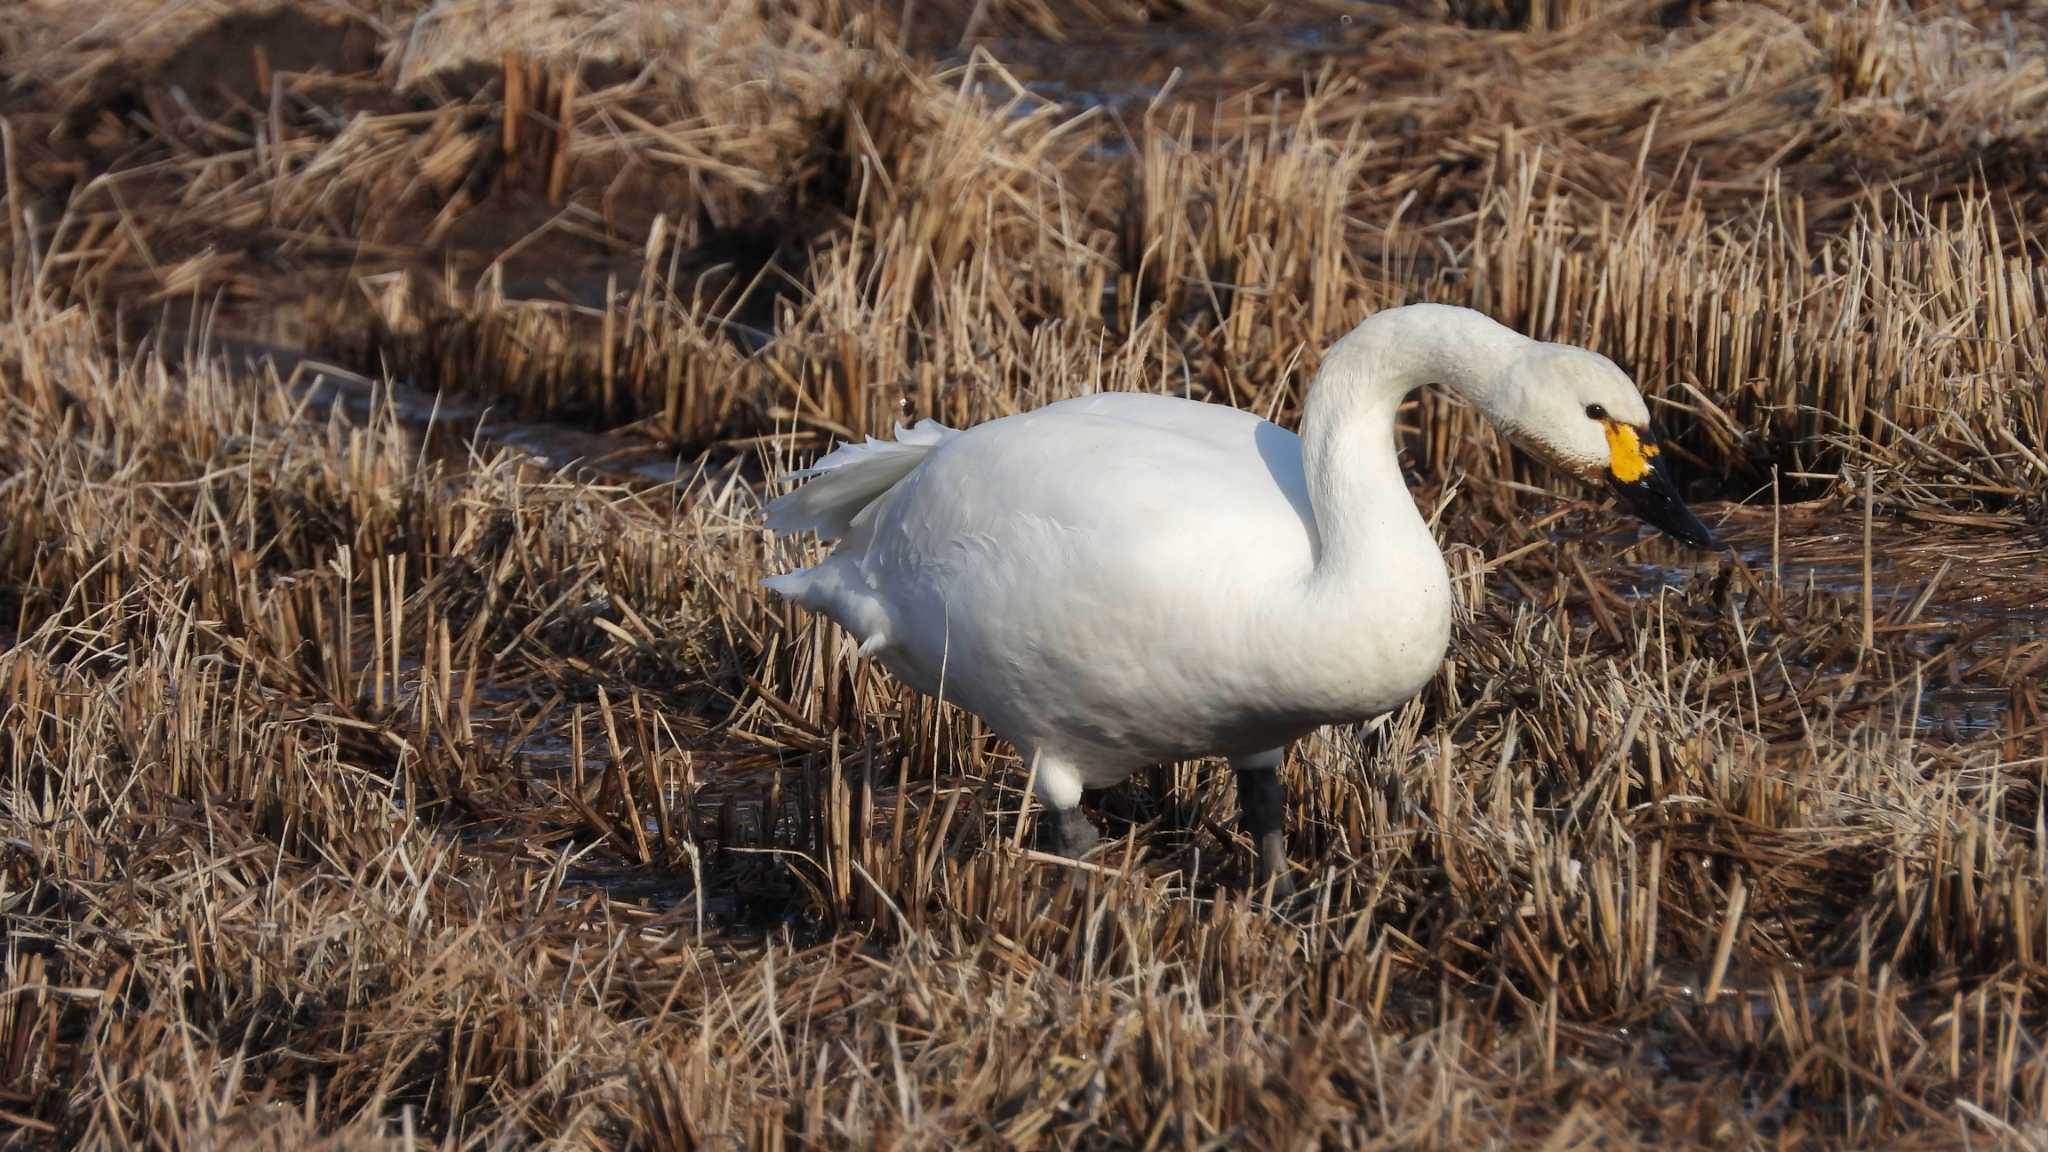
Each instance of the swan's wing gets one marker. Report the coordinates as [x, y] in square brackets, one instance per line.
[1120, 528]
[1105, 574]
[1210, 470]
[836, 492]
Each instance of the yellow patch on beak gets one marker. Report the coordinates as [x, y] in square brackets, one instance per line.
[1628, 456]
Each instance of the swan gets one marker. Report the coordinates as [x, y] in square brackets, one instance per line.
[1126, 579]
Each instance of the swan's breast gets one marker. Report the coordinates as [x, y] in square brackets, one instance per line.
[1365, 646]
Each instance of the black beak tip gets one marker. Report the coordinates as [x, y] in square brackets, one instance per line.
[1694, 533]
[1656, 501]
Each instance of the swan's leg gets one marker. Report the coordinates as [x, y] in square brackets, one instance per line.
[1058, 787]
[1263, 809]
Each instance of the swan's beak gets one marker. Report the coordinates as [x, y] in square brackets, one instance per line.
[1637, 474]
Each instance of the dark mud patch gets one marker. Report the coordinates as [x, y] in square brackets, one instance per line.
[230, 66]
[244, 51]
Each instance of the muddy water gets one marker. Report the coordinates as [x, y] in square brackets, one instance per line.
[453, 429]
[1131, 72]
[1967, 605]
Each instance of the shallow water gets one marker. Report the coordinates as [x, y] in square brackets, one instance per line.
[1928, 588]
[1127, 72]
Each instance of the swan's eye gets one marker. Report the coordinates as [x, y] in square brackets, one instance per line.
[1596, 412]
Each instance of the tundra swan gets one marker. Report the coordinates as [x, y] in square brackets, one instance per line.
[1125, 579]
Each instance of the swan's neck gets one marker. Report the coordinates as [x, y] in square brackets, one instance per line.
[1366, 520]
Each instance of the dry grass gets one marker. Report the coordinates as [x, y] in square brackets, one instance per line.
[398, 749]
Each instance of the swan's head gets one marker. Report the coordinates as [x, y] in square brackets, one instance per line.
[1583, 414]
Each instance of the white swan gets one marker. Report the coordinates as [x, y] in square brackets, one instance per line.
[1126, 579]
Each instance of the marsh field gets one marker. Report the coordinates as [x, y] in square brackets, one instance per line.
[399, 751]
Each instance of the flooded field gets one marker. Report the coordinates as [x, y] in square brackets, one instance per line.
[400, 749]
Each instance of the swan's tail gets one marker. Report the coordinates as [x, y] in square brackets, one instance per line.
[850, 478]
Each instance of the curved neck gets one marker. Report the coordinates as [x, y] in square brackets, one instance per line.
[1364, 511]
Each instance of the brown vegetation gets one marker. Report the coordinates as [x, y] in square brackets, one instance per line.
[398, 748]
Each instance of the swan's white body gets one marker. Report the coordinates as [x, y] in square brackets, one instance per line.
[1126, 579]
